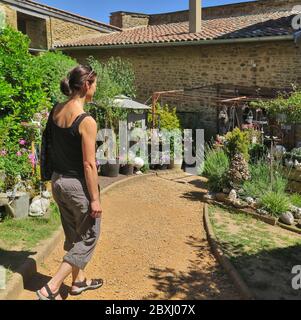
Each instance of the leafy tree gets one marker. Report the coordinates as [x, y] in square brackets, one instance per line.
[53, 67]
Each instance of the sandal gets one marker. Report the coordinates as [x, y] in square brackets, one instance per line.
[51, 295]
[83, 286]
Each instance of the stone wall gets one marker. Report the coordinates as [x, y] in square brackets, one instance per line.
[10, 15]
[277, 65]
[64, 30]
[127, 19]
[44, 32]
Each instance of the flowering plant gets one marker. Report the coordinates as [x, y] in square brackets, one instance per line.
[15, 161]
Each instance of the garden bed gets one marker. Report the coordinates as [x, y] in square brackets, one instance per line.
[263, 255]
[19, 237]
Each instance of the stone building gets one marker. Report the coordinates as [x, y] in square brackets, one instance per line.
[199, 53]
[250, 45]
[46, 25]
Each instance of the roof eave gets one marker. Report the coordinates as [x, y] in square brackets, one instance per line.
[179, 43]
[61, 14]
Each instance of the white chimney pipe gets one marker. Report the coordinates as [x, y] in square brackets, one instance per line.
[195, 16]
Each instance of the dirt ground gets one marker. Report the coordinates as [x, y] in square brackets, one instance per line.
[152, 246]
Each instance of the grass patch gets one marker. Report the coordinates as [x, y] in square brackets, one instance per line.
[264, 255]
[28, 232]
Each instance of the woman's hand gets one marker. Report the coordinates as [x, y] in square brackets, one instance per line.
[96, 209]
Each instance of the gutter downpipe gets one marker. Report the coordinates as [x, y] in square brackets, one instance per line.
[179, 43]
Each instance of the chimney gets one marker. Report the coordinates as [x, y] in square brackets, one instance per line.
[195, 16]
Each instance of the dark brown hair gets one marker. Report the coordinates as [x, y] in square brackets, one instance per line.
[76, 79]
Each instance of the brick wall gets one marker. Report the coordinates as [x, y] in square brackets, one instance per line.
[278, 65]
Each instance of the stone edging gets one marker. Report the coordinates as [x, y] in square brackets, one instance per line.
[223, 260]
[266, 219]
[29, 267]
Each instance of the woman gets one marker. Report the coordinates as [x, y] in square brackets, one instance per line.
[75, 181]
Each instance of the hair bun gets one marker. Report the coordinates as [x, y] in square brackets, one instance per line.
[65, 87]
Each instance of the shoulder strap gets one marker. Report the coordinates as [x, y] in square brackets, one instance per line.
[79, 120]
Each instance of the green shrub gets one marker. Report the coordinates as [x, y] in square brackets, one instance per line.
[21, 90]
[237, 141]
[53, 67]
[260, 181]
[166, 117]
[257, 152]
[275, 203]
[15, 162]
[111, 83]
[215, 168]
[296, 199]
[290, 106]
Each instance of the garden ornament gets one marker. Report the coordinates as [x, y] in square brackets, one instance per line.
[250, 201]
[232, 195]
[138, 163]
[39, 206]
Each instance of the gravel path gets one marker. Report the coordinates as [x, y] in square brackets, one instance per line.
[152, 246]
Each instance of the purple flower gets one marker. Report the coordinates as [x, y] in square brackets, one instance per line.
[32, 159]
[3, 152]
[22, 142]
[19, 153]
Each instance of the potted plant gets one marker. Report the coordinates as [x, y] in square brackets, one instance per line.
[111, 168]
[127, 168]
[176, 155]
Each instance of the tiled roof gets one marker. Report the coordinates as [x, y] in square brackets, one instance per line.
[276, 23]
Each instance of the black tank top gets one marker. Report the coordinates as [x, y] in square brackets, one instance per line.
[66, 148]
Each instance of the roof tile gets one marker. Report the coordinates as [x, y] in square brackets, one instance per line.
[262, 24]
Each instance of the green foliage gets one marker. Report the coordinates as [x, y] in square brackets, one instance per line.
[166, 118]
[215, 168]
[296, 199]
[15, 162]
[289, 106]
[260, 181]
[237, 141]
[21, 89]
[275, 203]
[28, 232]
[257, 152]
[115, 78]
[53, 67]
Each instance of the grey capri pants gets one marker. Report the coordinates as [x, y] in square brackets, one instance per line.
[81, 230]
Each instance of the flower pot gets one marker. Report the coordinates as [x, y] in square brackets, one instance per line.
[110, 169]
[175, 166]
[162, 166]
[127, 169]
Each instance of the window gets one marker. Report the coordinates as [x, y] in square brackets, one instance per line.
[35, 28]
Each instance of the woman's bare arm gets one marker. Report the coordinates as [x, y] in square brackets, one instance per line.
[88, 131]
